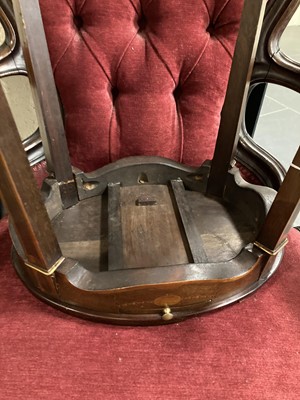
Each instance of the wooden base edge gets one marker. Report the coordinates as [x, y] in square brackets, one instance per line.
[143, 319]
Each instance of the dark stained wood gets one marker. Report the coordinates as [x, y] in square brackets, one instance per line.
[13, 63]
[157, 272]
[144, 304]
[135, 281]
[82, 232]
[115, 241]
[271, 65]
[32, 37]
[191, 231]
[21, 197]
[222, 227]
[151, 234]
[235, 100]
[10, 40]
[276, 68]
[284, 210]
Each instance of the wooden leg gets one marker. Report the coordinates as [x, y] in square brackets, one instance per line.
[235, 100]
[283, 212]
[19, 192]
[33, 40]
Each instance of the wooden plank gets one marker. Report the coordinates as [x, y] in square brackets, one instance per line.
[151, 234]
[236, 95]
[284, 209]
[115, 240]
[191, 230]
[33, 41]
[22, 199]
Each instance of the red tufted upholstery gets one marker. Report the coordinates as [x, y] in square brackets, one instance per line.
[141, 77]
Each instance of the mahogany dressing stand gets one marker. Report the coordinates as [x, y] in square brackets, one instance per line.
[144, 240]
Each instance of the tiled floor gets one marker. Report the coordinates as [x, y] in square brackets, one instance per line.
[278, 128]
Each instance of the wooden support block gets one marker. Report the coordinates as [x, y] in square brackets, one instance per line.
[191, 230]
[151, 234]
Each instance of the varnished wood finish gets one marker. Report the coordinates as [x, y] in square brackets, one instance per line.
[144, 236]
[33, 40]
[191, 230]
[145, 304]
[152, 235]
[10, 40]
[284, 210]
[275, 52]
[12, 62]
[115, 241]
[21, 197]
[235, 100]
[157, 267]
[271, 65]
[266, 67]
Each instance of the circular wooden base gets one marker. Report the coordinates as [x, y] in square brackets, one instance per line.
[146, 245]
[138, 319]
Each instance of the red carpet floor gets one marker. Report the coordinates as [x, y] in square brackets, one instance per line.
[250, 350]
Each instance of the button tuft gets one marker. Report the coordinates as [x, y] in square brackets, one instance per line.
[210, 29]
[114, 94]
[142, 22]
[78, 21]
[177, 92]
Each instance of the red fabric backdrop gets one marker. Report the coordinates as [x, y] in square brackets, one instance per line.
[141, 77]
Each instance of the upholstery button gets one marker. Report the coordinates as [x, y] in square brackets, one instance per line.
[210, 29]
[142, 23]
[114, 94]
[177, 92]
[78, 21]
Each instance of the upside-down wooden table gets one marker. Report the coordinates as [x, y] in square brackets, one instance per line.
[144, 240]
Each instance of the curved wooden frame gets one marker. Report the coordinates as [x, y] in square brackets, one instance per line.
[274, 49]
[271, 66]
[11, 56]
[7, 47]
[12, 63]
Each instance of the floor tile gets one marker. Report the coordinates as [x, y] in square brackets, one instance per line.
[270, 106]
[279, 134]
[284, 97]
